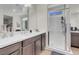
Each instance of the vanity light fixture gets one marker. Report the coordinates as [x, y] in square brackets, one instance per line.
[14, 10]
[24, 19]
[27, 5]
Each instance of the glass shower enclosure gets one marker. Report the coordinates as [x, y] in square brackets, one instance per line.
[58, 28]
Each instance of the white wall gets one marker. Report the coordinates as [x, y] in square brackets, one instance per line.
[42, 17]
[74, 18]
[32, 17]
[1, 21]
[38, 18]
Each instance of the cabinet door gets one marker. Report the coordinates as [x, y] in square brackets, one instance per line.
[17, 52]
[10, 49]
[38, 46]
[75, 39]
[29, 49]
[43, 41]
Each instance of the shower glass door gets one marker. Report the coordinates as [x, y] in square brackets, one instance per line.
[57, 28]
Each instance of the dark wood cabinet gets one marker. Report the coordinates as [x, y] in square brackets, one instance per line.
[75, 39]
[38, 45]
[31, 46]
[43, 41]
[29, 49]
[9, 50]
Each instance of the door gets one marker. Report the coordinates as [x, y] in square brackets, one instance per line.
[56, 32]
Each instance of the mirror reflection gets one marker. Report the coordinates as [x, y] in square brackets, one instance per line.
[13, 18]
[8, 22]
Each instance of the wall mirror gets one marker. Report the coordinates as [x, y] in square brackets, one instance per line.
[24, 23]
[14, 17]
[25, 20]
[8, 22]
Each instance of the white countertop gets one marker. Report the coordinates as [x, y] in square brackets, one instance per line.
[17, 38]
[74, 31]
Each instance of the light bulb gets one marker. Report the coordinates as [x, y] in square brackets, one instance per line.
[24, 19]
[14, 10]
[27, 5]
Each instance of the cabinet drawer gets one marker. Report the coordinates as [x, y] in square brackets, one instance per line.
[9, 49]
[30, 40]
[44, 34]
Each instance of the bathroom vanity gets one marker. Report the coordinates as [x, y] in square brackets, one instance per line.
[75, 38]
[28, 44]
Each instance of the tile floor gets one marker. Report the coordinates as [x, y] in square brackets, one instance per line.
[75, 51]
[46, 52]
